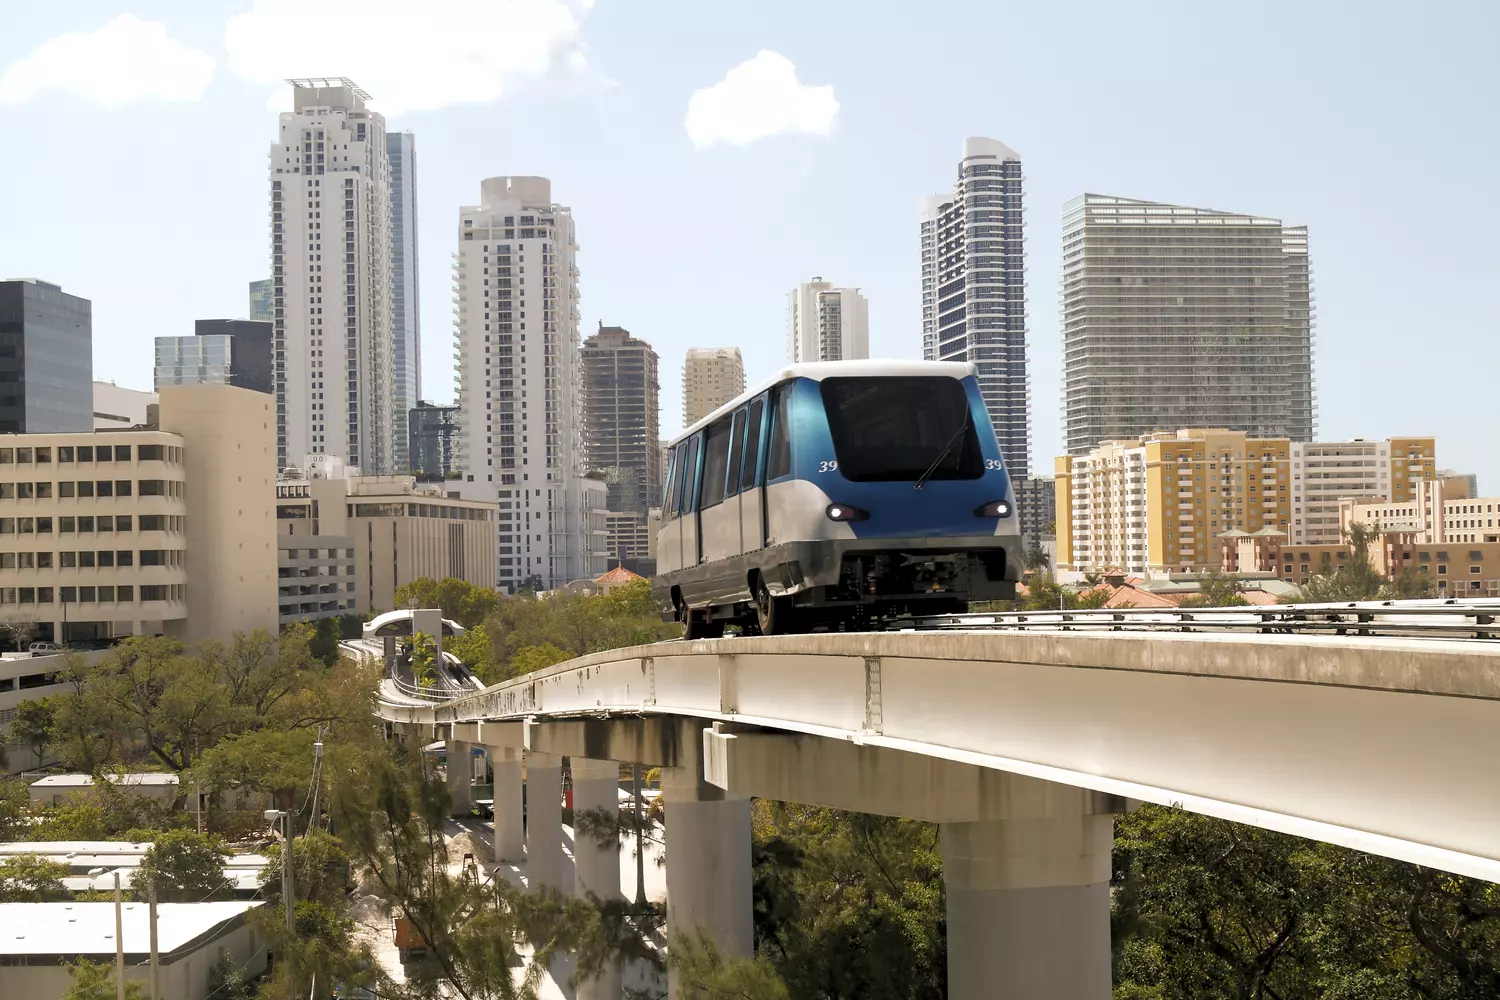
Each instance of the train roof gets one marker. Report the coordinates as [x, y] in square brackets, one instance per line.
[819, 370]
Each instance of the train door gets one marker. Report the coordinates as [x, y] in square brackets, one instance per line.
[718, 514]
[752, 494]
[777, 459]
[733, 499]
[692, 550]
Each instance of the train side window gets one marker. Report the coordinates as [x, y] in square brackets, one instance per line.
[780, 459]
[752, 445]
[669, 489]
[690, 489]
[715, 463]
[736, 454]
[682, 496]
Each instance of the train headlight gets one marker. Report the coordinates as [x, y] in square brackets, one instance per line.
[995, 508]
[845, 512]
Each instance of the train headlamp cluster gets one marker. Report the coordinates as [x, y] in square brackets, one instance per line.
[845, 512]
[995, 508]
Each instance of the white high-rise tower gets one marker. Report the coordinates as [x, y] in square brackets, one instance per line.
[826, 323]
[406, 298]
[515, 280]
[331, 273]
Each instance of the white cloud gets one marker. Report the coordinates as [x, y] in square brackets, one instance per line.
[758, 98]
[127, 60]
[409, 56]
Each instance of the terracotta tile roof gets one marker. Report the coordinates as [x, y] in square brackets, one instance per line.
[618, 575]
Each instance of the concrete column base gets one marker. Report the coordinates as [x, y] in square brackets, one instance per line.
[708, 861]
[1028, 908]
[596, 865]
[509, 839]
[460, 779]
[544, 852]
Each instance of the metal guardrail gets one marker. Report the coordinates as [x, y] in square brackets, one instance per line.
[1450, 618]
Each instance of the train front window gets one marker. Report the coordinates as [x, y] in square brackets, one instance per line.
[894, 429]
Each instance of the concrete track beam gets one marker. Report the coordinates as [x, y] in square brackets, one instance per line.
[839, 774]
[651, 741]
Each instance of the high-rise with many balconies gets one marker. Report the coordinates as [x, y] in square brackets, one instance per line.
[515, 279]
[711, 377]
[826, 323]
[1183, 317]
[331, 272]
[974, 288]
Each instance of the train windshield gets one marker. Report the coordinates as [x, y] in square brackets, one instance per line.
[897, 428]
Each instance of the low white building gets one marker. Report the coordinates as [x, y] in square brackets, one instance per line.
[192, 938]
[58, 789]
[121, 408]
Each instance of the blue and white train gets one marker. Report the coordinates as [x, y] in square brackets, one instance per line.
[838, 492]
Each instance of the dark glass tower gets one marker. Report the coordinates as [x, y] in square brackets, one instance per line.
[46, 359]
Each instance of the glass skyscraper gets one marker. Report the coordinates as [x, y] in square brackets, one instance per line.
[406, 322]
[1183, 317]
[46, 359]
[974, 288]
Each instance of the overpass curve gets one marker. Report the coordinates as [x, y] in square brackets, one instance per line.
[1382, 744]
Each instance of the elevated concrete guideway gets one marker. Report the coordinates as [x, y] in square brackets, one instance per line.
[1022, 745]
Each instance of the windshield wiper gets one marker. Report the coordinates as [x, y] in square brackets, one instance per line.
[962, 429]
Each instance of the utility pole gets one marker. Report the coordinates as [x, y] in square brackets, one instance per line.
[119, 943]
[155, 955]
[272, 815]
[317, 776]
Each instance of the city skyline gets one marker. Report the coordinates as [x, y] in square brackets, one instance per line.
[1309, 162]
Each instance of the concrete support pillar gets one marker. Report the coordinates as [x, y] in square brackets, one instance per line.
[1028, 907]
[596, 860]
[509, 839]
[544, 853]
[708, 856]
[460, 779]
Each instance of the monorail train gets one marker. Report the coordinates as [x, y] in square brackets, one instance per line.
[837, 492]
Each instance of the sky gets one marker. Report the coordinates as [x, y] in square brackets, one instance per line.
[714, 154]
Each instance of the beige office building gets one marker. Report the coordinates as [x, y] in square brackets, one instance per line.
[167, 530]
[345, 544]
[711, 377]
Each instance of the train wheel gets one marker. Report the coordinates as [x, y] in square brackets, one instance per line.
[772, 614]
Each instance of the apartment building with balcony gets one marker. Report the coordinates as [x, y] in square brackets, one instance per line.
[345, 543]
[711, 377]
[1160, 503]
[165, 530]
[826, 323]
[1325, 473]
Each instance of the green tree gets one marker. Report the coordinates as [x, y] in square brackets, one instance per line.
[475, 651]
[27, 878]
[33, 726]
[186, 867]
[96, 981]
[320, 870]
[705, 973]
[530, 658]
[1355, 579]
[458, 599]
[1216, 589]
[423, 658]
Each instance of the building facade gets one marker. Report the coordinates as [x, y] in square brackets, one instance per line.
[331, 302]
[973, 258]
[1036, 499]
[121, 408]
[1161, 503]
[432, 434]
[261, 294]
[826, 323]
[622, 415]
[232, 351]
[346, 543]
[711, 377]
[46, 358]
[143, 531]
[1183, 317]
[1324, 473]
[516, 340]
[406, 317]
